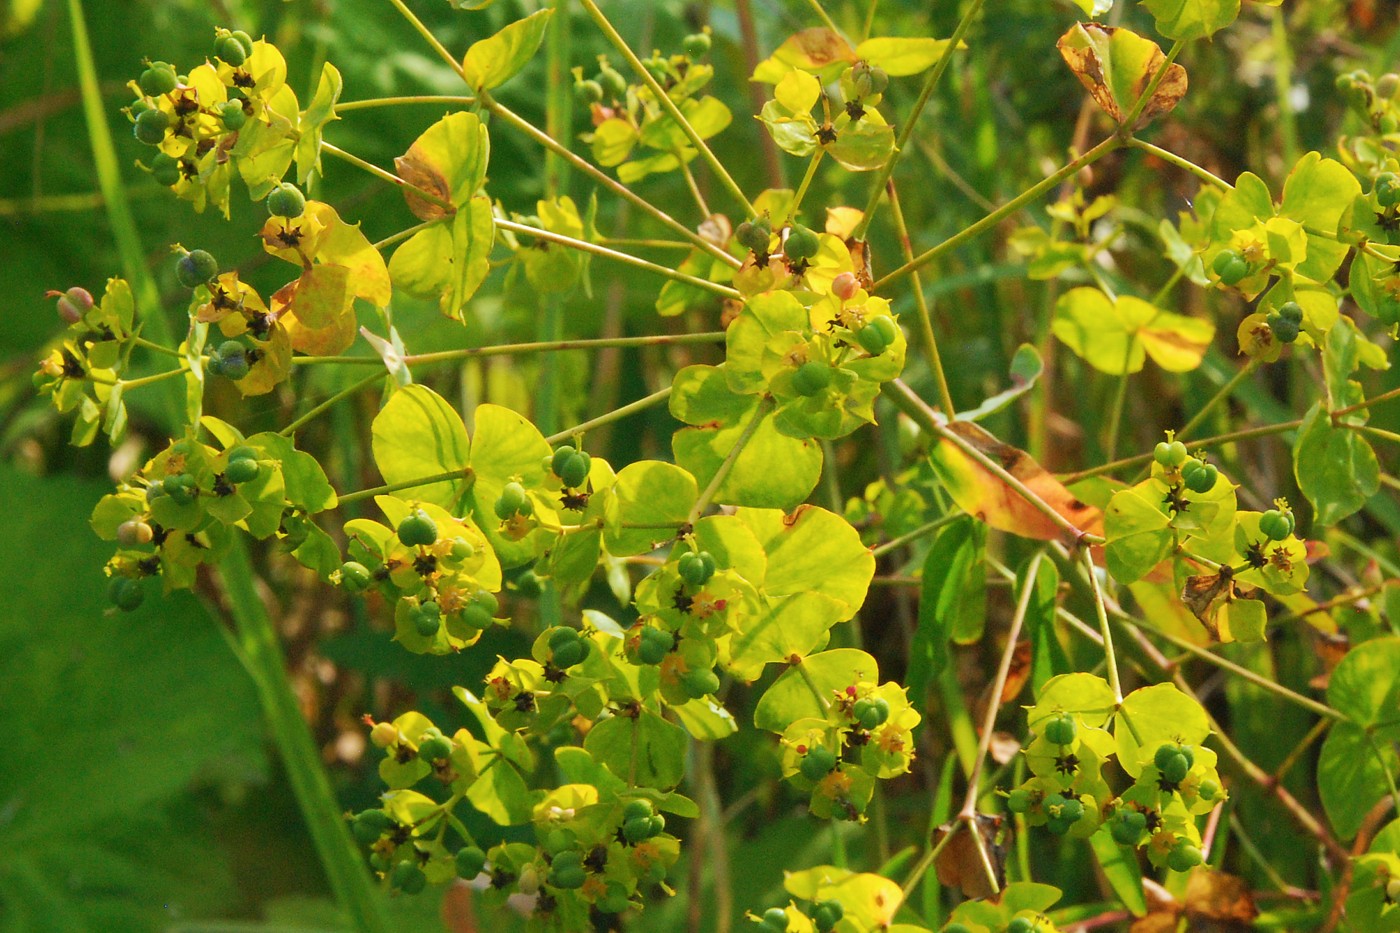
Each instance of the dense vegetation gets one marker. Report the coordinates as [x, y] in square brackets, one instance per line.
[837, 467]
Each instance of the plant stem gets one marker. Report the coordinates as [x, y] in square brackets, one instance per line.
[340, 858]
[1006, 210]
[511, 349]
[616, 187]
[825, 17]
[428, 37]
[911, 119]
[385, 175]
[668, 105]
[634, 261]
[617, 414]
[916, 534]
[156, 347]
[806, 183]
[1223, 394]
[689, 177]
[1283, 86]
[152, 379]
[935, 359]
[989, 720]
[761, 412]
[1219, 439]
[1383, 397]
[1181, 163]
[109, 181]
[464, 473]
[559, 101]
[325, 406]
[350, 106]
[1109, 656]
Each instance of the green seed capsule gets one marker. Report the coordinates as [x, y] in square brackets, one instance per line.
[1019, 800]
[802, 244]
[369, 825]
[775, 918]
[157, 80]
[165, 170]
[696, 45]
[811, 378]
[150, 127]
[470, 862]
[286, 200]
[588, 92]
[817, 763]
[230, 50]
[195, 268]
[435, 748]
[1061, 729]
[826, 914]
[408, 878]
[233, 116]
[417, 529]
[242, 471]
[125, 593]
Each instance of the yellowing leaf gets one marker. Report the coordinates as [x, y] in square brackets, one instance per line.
[983, 494]
[1116, 337]
[798, 91]
[1116, 65]
[901, 57]
[448, 160]
[816, 50]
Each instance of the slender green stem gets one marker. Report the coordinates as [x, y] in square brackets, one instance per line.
[911, 120]
[806, 183]
[325, 406]
[1383, 760]
[350, 106]
[664, 99]
[702, 503]
[402, 235]
[807, 678]
[916, 874]
[1110, 657]
[641, 243]
[690, 183]
[617, 414]
[1141, 459]
[869, 25]
[559, 100]
[340, 857]
[1366, 429]
[513, 349]
[1010, 207]
[1185, 164]
[907, 401]
[989, 720]
[1383, 397]
[128, 384]
[935, 359]
[157, 348]
[109, 182]
[634, 261]
[428, 37]
[616, 187]
[1161, 294]
[824, 16]
[385, 175]
[514, 120]
[1222, 395]
[1130, 121]
[916, 534]
[445, 476]
[1120, 398]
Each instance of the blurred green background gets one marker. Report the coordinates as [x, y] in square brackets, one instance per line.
[137, 789]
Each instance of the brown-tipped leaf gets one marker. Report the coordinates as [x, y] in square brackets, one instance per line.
[1116, 65]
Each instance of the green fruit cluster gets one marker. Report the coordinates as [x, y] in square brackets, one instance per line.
[567, 647]
[650, 645]
[571, 465]
[696, 567]
[755, 235]
[1276, 524]
[513, 501]
[878, 335]
[641, 822]
[1286, 322]
[1199, 477]
[230, 360]
[1231, 267]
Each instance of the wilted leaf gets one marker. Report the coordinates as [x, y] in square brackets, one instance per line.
[960, 864]
[1116, 65]
[985, 495]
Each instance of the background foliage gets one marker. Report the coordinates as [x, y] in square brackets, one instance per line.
[137, 792]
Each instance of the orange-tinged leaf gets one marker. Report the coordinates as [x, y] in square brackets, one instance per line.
[272, 365]
[1115, 65]
[1213, 895]
[320, 296]
[983, 494]
[346, 245]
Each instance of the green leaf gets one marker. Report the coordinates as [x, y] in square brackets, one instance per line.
[772, 471]
[1365, 685]
[1317, 193]
[954, 586]
[1192, 19]
[647, 493]
[863, 146]
[495, 60]
[1351, 777]
[448, 262]
[418, 434]
[306, 484]
[1121, 869]
[792, 625]
[790, 698]
[1138, 532]
[507, 446]
[812, 550]
[1087, 695]
[1335, 467]
[1151, 716]
[313, 122]
[758, 339]
[645, 749]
